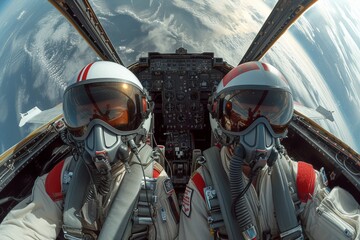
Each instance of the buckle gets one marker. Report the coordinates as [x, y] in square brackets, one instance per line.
[71, 233]
[296, 229]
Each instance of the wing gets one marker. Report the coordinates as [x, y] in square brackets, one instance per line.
[35, 115]
[314, 114]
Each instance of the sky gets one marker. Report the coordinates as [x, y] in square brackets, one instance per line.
[325, 43]
[319, 54]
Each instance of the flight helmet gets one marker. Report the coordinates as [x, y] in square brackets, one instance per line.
[105, 108]
[251, 106]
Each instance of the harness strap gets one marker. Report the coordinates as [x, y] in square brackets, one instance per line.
[283, 204]
[204, 185]
[118, 223]
[290, 176]
[222, 187]
[124, 203]
[72, 224]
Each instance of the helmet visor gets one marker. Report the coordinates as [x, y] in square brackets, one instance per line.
[115, 103]
[242, 107]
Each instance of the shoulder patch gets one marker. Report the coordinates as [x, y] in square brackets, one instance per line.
[186, 202]
[169, 188]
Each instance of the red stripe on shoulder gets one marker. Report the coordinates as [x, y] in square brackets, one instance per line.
[199, 183]
[156, 173]
[305, 181]
[53, 182]
[157, 169]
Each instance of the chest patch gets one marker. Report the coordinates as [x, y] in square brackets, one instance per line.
[186, 203]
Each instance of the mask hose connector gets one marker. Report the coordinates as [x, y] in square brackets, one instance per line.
[124, 156]
[104, 173]
[237, 189]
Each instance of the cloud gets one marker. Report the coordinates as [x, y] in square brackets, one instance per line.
[102, 8]
[3, 148]
[124, 49]
[21, 15]
[57, 52]
[191, 24]
[4, 109]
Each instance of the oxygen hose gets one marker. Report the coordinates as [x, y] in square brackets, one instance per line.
[105, 183]
[102, 176]
[101, 184]
[237, 189]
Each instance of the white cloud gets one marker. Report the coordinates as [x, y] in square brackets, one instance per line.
[192, 24]
[126, 50]
[229, 35]
[2, 148]
[129, 50]
[22, 97]
[306, 28]
[21, 15]
[50, 46]
[101, 8]
[4, 109]
[342, 26]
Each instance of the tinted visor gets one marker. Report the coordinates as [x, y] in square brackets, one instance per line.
[240, 109]
[117, 104]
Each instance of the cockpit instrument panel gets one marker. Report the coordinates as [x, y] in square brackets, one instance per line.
[180, 85]
[183, 82]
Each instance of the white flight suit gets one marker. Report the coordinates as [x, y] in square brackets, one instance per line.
[40, 217]
[194, 213]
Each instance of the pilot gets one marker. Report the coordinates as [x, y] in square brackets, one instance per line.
[247, 187]
[111, 187]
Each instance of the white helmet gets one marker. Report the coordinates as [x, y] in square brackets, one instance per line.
[252, 105]
[111, 93]
[106, 102]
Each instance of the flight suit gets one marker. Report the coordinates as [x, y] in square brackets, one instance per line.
[40, 215]
[259, 200]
